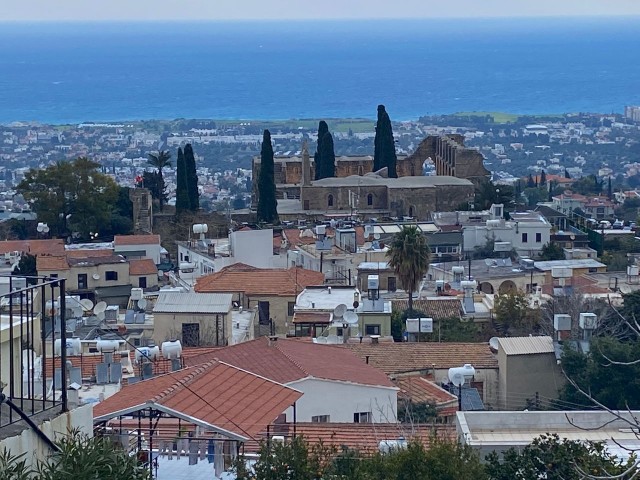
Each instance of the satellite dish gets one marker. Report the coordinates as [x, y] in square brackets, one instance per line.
[351, 318]
[87, 304]
[367, 245]
[100, 307]
[340, 310]
[332, 339]
[376, 236]
[456, 378]
[95, 276]
[493, 344]
[142, 304]
[76, 311]
[488, 261]
[100, 316]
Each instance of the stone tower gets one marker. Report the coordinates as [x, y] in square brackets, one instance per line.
[306, 165]
[142, 210]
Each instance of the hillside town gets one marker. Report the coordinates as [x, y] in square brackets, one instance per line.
[366, 310]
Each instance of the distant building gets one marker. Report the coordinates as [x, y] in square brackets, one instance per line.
[632, 113]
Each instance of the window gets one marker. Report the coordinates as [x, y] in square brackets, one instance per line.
[186, 258]
[593, 270]
[290, 309]
[111, 276]
[372, 329]
[142, 282]
[391, 284]
[82, 281]
[362, 417]
[191, 334]
[53, 275]
[525, 238]
[370, 199]
[330, 201]
[538, 238]
[320, 419]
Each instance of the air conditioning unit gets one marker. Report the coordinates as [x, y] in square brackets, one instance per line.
[561, 322]
[321, 230]
[111, 314]
[588, 321]
[373, 282]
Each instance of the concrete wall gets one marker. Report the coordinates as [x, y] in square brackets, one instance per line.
[152, 280]
[34, 449]
[521, 376]
[341, 400]
[278, 310]
[151, 250]
[168, 326]
[254, 248]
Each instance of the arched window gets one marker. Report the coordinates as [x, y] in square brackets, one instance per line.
[370, 199]
[330, 201]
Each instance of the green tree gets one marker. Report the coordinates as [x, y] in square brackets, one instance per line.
[488, 193]
[384, 145]
[80, 457]
[26, 267]
[71, 197]
[409, 256]
[192, 178]
[267, 203]
[152, 181]
[553, 458]
[318, 157]
[160, 160]
[183, 202]
[328, 157]
[543, 178]
[530, 182]
[552, 251]
[512, 312]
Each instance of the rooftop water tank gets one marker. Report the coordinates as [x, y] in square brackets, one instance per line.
[171, 349]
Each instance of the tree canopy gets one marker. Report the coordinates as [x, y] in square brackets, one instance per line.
[384, 145]
[183, 203]
[192, 178]
[160, 160]
[409, 256]
[325, 157]
[267, 203]
[73, 197]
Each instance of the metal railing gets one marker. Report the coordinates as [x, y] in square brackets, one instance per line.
[32, 318]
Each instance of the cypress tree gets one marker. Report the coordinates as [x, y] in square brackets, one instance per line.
[530, 182]
[610, 190]
[182, 194]
[192, 178]
[328, 157]
[323, 129]
[566, 173]
[543, 178]
[384, 145]
[267, 204]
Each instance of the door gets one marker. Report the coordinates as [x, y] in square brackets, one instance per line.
[391, 284]
[263, 313]
[82, 281]
[190, 334]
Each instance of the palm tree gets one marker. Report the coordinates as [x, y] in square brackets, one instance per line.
[409, 255]
[160, 160]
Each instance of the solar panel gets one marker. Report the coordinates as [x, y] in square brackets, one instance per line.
[129, 316]
[507, 262]
[471, 400]
[75, 375]
[102, 373]
[115, 372]
[139, 317]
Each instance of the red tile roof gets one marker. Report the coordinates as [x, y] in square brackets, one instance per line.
[418, 389]
[214, 392]
[311, 317]
[136, 240]
[286, 361]
[86, 253]
[394, 358]
[143, 266]
[259, 281]
[34, 247]
[50, 263]
[438, 309]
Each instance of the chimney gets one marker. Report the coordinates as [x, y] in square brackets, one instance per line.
[329, 290]
[366, 359]
[374, 339]
[272, 340]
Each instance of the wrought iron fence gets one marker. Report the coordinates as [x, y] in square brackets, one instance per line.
[32, 324]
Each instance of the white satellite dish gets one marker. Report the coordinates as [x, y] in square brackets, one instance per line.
[367, 245]
[457, 378]
[76, 311]
[87, 304]
[493, 344]
[95, 276]
[332, 339]
[376, 236]
[142, 304]
[351, 318]
[488, 261]
[100, 308]
[340, 310]
[100, 316]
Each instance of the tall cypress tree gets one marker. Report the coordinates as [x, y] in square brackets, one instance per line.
[192, 178]
[328, 157]
[610, 190]
[267, 204]
[323, 129]
[384, 145]
[182, 194]
[543, 178]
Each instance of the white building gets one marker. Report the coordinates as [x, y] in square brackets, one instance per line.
[138, 246]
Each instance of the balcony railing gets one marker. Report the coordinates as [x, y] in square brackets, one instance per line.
[32, 321]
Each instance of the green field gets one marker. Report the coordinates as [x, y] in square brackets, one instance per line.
[502, 117]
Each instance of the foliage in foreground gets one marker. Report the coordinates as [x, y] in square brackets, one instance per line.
[80, 457]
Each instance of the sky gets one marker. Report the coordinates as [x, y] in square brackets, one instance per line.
[185, 10]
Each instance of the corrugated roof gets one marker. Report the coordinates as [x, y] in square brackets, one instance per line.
[576, 263]
[286, 361]
[178, 302]
[259, 281]
[393, 358]
[216, 393]
[526, 345]
[119, 240]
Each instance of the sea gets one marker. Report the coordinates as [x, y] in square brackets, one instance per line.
[106, 72]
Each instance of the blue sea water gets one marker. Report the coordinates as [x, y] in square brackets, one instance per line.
[70, 72]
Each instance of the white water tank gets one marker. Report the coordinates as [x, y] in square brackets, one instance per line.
[466, 372]
[136, 294]
[150, 353]
[588, 321]
[108, 345]
[171, 349]
[74, 347]
[373, 282]
[200, 228]
[562, 322]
